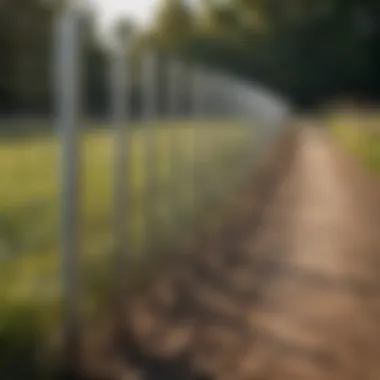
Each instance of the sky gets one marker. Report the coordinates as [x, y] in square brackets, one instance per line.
[141, 11]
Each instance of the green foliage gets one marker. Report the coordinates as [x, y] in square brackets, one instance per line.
[30, 286]
[308, 49]
[174, 25]
[25, 45]
[21, 347]
[359, 135]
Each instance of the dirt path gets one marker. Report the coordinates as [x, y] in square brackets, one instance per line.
[298, 300]
[321, 315]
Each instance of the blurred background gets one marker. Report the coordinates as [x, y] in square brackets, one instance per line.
[310, 50]
[199, 118]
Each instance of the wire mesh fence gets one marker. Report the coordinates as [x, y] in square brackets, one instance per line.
[82, 201]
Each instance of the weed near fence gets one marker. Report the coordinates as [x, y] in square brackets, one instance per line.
[29, 217]
[359, 134]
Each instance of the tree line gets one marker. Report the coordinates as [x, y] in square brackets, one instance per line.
[307, 50]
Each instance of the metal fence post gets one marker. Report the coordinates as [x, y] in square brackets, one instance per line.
[68, 108]
[148, 114]
[173, 68]
[187, 159]
[176, 158]
[217, 93]
[119, 98]
[197, 110]
[206, 181]
[172, 108]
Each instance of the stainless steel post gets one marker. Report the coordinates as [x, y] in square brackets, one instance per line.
[149, 113]
[120, 115]
[174, 102]
[68, 102]
[197, 110]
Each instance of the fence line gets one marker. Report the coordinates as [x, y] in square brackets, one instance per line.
[195, 153]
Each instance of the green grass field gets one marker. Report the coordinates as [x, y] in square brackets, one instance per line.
[30, 287]
[359, 134]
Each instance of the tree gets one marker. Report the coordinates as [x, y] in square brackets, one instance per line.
[26, 47]
[174, 25]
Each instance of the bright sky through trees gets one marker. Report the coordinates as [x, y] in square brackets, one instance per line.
[140, 11]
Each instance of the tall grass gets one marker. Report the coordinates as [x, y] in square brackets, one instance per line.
[359, 134]
[189, 163]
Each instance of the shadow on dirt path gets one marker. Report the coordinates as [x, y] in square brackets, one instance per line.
[291, 292]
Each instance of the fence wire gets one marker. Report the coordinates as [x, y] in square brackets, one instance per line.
[128, 188]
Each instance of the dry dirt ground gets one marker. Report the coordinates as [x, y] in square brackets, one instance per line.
[293, 296]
